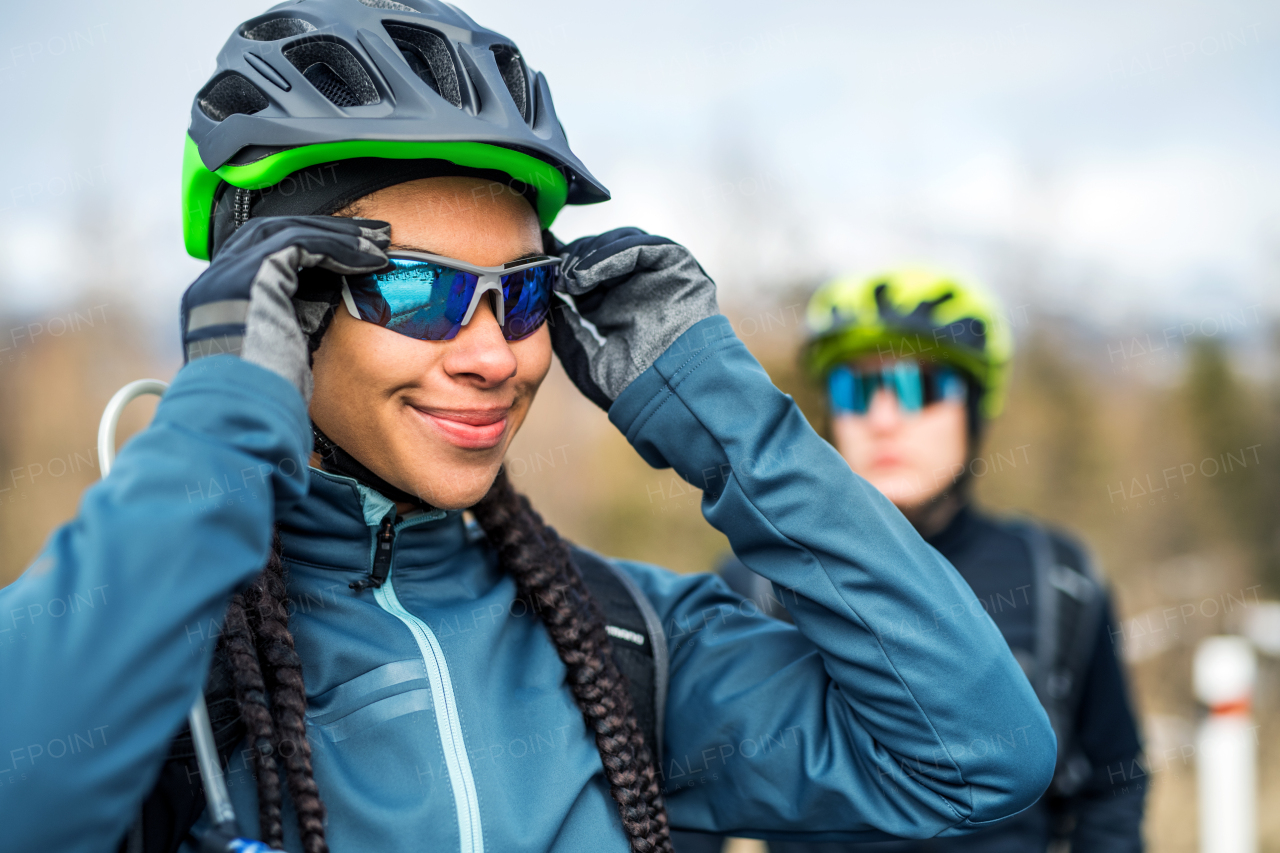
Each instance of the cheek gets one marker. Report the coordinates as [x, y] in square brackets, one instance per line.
[852, 439]
[342, 363]
[939, 434]
[533, 359]
[360, 363]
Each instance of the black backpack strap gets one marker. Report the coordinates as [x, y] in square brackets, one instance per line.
[757, 588]
[135, 841]
[639, 643]
[1070, 601]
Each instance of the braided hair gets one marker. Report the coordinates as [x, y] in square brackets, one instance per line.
[538, 559]
[267, 673]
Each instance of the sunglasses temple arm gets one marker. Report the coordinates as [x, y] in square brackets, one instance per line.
[348, 300]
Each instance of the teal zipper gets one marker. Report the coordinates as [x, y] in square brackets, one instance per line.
[465, 797]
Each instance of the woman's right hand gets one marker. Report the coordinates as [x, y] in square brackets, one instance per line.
[246, 303]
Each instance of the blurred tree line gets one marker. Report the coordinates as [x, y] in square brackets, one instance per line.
[1164, 463]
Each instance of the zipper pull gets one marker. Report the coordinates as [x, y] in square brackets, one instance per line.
[381, 556]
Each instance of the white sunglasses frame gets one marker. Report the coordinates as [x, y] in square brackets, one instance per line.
[490, 280]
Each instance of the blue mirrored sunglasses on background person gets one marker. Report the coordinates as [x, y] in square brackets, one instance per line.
[431, 297]
[851, 389]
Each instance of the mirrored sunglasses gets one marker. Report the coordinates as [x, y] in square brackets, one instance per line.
[851, 389]
[430, 297]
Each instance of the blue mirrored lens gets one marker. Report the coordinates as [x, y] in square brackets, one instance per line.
[904, 379]
[419, 299]
[527, 299]
[951, 386]
[844, 389]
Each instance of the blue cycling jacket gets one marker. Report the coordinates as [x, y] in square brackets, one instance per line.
[437, 708]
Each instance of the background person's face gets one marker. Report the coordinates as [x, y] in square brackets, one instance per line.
[435, 418]
[910, 457]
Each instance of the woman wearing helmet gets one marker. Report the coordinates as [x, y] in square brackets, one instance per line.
[915, 363]
[373, 181]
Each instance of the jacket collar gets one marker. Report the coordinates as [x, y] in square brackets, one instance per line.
[334, 525]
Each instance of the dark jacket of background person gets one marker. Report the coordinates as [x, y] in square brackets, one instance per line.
[1104, 812]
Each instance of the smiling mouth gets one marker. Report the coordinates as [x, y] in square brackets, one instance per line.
[474, 429]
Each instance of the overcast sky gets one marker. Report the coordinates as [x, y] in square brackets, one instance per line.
[1115, 158]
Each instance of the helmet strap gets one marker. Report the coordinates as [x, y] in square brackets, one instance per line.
[975, 423]
[241, 207]
[338, 461]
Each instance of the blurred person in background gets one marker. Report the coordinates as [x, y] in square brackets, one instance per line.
[373, 183]
[916, 363]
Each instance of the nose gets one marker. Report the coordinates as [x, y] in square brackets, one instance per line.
[479, 354]
[884, 415]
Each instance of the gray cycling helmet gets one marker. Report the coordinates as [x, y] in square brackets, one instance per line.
[319, 81]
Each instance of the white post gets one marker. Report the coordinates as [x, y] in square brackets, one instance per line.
[1226, 773]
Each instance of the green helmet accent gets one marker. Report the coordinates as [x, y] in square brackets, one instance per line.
[199, 185]
[913, 312]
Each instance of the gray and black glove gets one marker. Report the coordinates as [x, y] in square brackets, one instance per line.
[249, 303]
[641, 292]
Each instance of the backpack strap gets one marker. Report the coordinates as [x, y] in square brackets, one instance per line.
[135, 841]
[1070, 600]
[757, 588]
[639, 643]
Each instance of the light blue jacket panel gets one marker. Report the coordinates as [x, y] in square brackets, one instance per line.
[438, 715]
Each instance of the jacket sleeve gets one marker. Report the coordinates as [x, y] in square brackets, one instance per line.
[1108, 809]
[105, 639]
[892, 706]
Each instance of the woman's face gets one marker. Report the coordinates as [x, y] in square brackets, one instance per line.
[910, 458]
[435, 418]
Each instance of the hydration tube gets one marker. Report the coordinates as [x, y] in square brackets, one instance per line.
[111, 417]
[223, 836]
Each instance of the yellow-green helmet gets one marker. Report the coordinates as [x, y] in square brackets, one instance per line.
[913, 312]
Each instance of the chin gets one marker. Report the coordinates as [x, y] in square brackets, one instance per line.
[452, 487]
[903, 490]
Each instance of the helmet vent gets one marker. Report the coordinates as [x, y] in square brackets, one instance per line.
[427, 53]
[335, 72]
[231, 94]
[390, 5]
[331, 85]
[513, 74]
[275, 29]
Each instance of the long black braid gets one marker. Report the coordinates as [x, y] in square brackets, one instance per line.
[269, 688]
[251, 695]
[267, 673]
[538, 559]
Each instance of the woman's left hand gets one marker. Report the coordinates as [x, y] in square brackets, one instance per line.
[640, 291]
